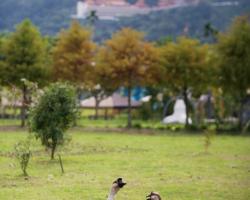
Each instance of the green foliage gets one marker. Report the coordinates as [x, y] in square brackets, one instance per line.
[145, 111]
[52, 16]
[234, 62]
[49, 15]
[152, 2]
[137, 126]
[234, 58]
[92, 18]
[1, 60]
[185, 63]
[23, 154]
[25, 56]
[132, 1]
[54, 114]
[172, 22]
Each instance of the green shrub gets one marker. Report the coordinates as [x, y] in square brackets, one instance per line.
[145, 112]
[137, 125]
[55, 112]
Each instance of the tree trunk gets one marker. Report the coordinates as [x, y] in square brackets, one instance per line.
[106, 114]
[78, 103]
[185, 95]
[129, 125]
[165, 108]
[24, 106]
[96, 107]
[53, 149]
[209, 106]
[25, 172]
[241, 120]
[61, 164]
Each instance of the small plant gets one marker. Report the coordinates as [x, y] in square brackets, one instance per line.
[23, 154]
[137, 126]
[209, 134]
[145, 112]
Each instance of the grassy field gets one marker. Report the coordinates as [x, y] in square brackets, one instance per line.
[118, 122]
[173, 164]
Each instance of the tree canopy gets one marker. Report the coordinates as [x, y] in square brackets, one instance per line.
[185, 63]
[234, 57]
[233, 50]
[25, 53]
[73, 55]
[130, 61]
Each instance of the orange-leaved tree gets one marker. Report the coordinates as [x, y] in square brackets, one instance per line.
[73, 55]
[130, 61]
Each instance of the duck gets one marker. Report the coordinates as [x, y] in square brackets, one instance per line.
[116, 186]
[153, 196]
[119, 183]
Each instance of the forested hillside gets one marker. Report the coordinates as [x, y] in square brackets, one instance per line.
[192, 18]
[51, 16]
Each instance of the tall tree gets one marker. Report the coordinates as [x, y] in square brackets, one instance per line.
[185, 65]
[25, 58]
[73, 55]
[92, 18]
[1, 60]
[131, 61]
[234, 60]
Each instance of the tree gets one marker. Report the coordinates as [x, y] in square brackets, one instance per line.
[132, 1]
[152, 2]
[25, 58]
[99, 84]
[53, 115]
[92, 18]
[1, 58]
[73, 55]
[234, 60]
[185, 65]
[210, 32]
[130, 61]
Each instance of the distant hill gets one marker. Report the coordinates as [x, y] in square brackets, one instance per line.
[51, 16]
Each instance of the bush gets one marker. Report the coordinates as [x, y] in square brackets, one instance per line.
[145, 112]
[137, 126]
[55, 112]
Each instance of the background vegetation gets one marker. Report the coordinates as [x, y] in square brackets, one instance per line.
[51, 17]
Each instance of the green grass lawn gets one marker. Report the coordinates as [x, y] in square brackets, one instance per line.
[119, 120]
[175, 165]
